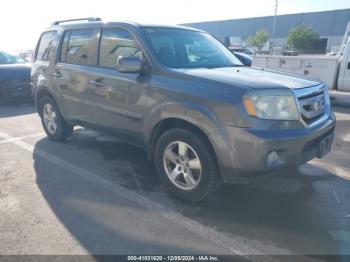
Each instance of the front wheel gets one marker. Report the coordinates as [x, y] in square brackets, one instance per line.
[54, 124]
[186, 165]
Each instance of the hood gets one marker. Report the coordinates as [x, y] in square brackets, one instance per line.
[251, 77]
[9, 71]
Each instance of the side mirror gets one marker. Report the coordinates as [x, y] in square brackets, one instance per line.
[129, 64]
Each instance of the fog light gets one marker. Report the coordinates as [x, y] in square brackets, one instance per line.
[272, 157]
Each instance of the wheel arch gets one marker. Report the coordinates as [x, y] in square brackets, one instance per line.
[195, 117]
[190, 115]
[42, 92]
[174, 122]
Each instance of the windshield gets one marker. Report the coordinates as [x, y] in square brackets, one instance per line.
[177, 48]
[6, 58]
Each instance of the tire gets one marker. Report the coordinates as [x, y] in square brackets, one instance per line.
[206, 178]
[62, 130]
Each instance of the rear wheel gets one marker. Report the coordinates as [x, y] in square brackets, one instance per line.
[186, 165]
[54, 124]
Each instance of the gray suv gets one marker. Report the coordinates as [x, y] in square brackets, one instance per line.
[178, 93]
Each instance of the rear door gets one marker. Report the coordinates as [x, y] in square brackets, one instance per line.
[44, 55]
[71, 74]
[118, 100]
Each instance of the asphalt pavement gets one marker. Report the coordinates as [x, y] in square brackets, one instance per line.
[97, 195]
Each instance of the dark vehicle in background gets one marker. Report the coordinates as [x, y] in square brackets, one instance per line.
[244, 54]
[245, 50]
[244, 58]
[183, 97]
[14, 78]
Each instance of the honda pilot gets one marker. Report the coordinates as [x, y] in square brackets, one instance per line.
[202, 117]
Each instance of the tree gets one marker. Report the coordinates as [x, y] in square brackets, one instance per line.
[303, 38]
[259, 39]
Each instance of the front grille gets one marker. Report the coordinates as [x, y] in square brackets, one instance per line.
[312, 103]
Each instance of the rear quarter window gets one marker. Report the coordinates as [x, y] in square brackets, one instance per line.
[46, 46]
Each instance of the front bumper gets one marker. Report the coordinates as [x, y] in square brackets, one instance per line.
[250, 148]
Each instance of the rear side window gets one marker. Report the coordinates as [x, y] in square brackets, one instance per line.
[76, 47]
[46, 46]
[115, 43]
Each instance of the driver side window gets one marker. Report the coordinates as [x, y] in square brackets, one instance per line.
[115, 43]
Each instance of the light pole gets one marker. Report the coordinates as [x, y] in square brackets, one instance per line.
[274, 22]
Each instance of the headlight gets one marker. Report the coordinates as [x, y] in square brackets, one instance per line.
[273, 104]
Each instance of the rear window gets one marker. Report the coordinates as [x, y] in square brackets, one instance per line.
[46, 46]
[76, 47]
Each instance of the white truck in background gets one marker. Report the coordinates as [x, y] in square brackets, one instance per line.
[333, 70]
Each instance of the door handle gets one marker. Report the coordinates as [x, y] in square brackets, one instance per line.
[96, 83]
[57, 74]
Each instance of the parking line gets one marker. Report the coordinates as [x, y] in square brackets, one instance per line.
[235, 246]
[347, 138]
[12, 139]
[332, 168]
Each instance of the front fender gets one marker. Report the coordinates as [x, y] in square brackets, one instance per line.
[198, 115]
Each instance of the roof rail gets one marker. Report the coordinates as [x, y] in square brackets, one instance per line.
[89, 19]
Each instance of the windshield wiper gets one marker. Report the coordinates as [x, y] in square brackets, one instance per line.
[223, 66]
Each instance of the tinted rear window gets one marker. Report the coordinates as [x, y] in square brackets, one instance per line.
[46, 46]
[76, 47]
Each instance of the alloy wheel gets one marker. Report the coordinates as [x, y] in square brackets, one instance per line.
[182, 165]
[50, 118]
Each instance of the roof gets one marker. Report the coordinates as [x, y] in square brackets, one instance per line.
[75, 23]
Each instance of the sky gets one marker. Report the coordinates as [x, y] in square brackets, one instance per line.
[22, 21]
